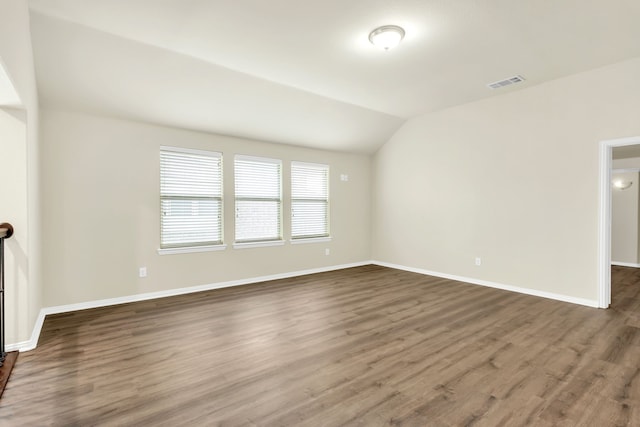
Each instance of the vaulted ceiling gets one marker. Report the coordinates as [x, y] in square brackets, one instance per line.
[303, 72]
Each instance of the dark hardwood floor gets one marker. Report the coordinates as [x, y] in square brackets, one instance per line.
[6, 368]
[367, 346]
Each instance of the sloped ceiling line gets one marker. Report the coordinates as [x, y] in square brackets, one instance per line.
[304, 73]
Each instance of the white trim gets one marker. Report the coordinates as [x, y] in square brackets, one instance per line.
[35, 335]
[191, 249]
[310, 165]
[246, 245]
[625, 264]
[604, 226]
[20, 346]
[310, 240]
[215, 154]
[32, 343]
[625, 170]
[527, 291]
[604, 217]
[256, 159]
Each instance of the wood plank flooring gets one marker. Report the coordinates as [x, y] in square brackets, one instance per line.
[6, 368]
[367, 346]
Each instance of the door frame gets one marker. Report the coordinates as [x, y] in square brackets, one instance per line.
[604, 218]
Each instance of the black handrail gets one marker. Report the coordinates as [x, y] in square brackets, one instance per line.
[6, 231]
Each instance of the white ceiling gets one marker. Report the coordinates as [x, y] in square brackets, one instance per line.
[303, 72]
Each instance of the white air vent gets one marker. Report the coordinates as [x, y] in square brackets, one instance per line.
[506, 82]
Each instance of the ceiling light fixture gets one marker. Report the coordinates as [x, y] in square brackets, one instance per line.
[387, 36]
[622, 184]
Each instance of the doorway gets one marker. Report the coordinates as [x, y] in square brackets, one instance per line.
[629, 145]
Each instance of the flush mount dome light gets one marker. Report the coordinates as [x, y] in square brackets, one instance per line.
[622, 184]
[386, 37]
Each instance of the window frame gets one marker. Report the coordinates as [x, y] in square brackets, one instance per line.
[310, 238]
[258, 242]
[193, 246]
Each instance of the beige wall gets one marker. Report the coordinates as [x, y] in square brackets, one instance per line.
[13, 209]
[624, 220]
[512, 179]
[632, 162]
[101, 211]
[19, 175]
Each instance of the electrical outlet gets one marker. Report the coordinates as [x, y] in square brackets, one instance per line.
[327, 251]
[478, 261]
[142, 272]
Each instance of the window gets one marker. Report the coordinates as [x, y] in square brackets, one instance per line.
[190, 198]
[309, 200]
[258, 199]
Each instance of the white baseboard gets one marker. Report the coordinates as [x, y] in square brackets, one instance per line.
[33, 341]
[527, 291]
[35, 335]
[625, 264]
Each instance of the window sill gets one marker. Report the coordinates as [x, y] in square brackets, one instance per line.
[258, 244]
[191, 249]
[310, 240]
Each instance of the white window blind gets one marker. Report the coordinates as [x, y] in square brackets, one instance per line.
[190, 198]
[258, 199]
[309, 200]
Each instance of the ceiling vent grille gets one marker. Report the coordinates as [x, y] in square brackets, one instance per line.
[506, 82]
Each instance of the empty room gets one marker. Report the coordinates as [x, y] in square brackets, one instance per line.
[319, 213]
